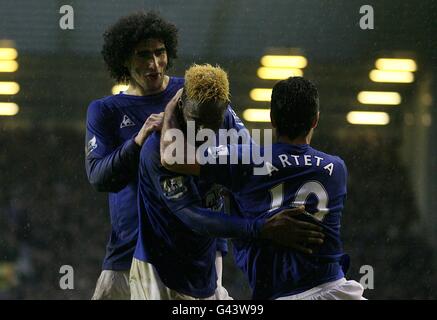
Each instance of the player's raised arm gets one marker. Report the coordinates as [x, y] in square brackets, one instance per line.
[110, 168]
[188, 164]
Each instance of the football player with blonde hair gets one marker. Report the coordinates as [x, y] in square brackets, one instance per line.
[181, 217]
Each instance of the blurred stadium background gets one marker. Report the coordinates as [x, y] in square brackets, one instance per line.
[49, 214]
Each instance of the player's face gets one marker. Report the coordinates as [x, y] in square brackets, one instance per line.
[148, 64]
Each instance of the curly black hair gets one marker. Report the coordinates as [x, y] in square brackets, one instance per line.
[294, 106]
[121, 38]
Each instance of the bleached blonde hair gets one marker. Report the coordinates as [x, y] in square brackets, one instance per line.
[205, 83]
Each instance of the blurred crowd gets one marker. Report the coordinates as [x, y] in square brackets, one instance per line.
[50, 216]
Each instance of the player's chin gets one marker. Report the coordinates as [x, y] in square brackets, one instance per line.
[154, 83]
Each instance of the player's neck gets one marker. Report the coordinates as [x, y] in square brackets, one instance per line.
[299, 140]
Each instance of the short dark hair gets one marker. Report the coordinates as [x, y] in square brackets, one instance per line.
[121, 38]
[294, 106]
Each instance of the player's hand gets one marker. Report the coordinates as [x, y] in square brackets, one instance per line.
[170, 109]
[153, 123]
[284, 229]
[172, 105]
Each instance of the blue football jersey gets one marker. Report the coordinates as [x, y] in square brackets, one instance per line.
[183, 258]
[297, 175]
[112, 162]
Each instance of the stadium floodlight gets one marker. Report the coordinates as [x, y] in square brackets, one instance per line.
[270, 73]
[261, 94]
[8, 66]
[119, 87]
[9, 87]
[256, 115]
[379, 97]
[388, 64]
[283, 61]
[391, 76]
[8, 54]
[8, 109]
[368, 118]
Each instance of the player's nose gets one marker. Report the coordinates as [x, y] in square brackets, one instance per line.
[154, 63]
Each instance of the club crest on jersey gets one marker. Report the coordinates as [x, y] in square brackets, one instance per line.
[126, 122]
[174, 188]
[92, 145]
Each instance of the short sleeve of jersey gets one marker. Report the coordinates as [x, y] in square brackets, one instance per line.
[175, 190]
[235, 127]
[232, 121]
[99, 136]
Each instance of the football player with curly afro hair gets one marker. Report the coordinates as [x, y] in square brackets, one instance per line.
[141, 42]
[138, 50]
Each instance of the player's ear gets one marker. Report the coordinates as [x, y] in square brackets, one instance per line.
[316, 120]
[272, 119]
